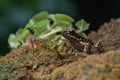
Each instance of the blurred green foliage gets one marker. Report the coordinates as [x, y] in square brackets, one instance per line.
[16, 13]
[43, 29]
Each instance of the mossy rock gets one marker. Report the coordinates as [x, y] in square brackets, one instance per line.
[46, 64]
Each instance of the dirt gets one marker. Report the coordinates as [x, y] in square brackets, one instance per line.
[25, 63]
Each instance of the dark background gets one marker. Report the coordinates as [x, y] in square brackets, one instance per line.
[16, 13]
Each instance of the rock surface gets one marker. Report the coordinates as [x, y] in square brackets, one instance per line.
[43, 64]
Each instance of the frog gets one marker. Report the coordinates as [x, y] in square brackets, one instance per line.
[82, 44]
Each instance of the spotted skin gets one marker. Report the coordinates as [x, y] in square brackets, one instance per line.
[82, 44]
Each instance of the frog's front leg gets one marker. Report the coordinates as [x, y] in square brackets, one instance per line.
[77, 52]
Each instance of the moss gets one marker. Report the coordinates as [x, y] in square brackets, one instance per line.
[19, 61]
[109, 34]
[55, 62]
[92, 68]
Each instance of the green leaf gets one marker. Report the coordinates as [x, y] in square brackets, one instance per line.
[19, 31]
[63, 20]
[16, 40]
[21, 36]
[42, 28]
[81, 25]
[63, 17]
[40, 16]
[52, 32]
[29, 25]
[52, 17]
[13, 44]
[41, 23]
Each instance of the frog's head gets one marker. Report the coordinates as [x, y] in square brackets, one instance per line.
[97, 48]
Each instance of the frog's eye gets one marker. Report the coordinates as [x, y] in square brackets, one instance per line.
[66, 31]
